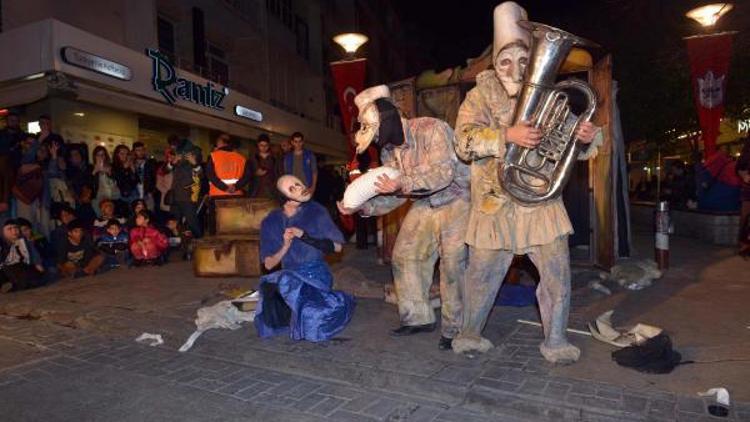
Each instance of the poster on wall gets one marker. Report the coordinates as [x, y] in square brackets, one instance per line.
[441, 103]
[403, 94]
[73, 134]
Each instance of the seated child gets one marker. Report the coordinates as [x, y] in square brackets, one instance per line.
[114, 245]
[38, 240]
[137, 206]
[147, 244]
[20, 263]
[107, 208]
[76, 254]
[179, 239]
[84, 209]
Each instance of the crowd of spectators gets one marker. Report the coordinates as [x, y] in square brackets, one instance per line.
[68, 214]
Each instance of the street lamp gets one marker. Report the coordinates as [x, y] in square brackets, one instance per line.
[350, 42]
[709, 14]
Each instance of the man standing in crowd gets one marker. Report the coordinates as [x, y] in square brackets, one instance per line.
[438, 184]
[187, 172]
[145, 169]
[227, 170]
[265, 170]
[301, 162]
[10, 138]
[499, 227]
[228, 174]
[46, 136]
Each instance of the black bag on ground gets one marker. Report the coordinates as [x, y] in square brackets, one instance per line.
[654, 356]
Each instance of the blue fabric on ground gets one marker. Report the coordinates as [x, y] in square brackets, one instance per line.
[318, 313]
[516, 295]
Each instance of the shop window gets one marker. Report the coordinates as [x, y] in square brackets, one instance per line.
[165, 33]
[217, 64]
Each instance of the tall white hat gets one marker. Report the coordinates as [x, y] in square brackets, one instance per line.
[371, 94]
[507, 30]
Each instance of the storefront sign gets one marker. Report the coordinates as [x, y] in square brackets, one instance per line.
[84, 60]
[172, 88]
[743, 125]
[248, 113]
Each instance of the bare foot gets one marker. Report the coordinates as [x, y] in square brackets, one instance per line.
[471, 346]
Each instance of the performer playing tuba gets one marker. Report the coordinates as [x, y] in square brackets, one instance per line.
[500, 227]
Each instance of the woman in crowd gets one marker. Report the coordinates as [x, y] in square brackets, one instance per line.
[77, 169]
[163, 186]
[104, 184]
[123, 171]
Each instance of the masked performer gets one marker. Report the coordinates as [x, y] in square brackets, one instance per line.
[437, 182]
[498, 227]
[298, 298]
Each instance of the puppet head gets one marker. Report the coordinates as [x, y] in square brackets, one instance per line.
[293, 189]
[379, 119]
[510, 46]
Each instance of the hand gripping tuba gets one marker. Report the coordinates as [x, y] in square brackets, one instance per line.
[535, 175]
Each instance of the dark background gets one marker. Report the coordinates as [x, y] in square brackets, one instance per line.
[643, 36]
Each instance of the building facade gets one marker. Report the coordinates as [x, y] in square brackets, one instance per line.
[113, 71]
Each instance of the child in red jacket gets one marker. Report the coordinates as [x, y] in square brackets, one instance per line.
[147, 244]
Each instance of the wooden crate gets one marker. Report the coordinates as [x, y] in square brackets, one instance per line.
[227, 256]
[240, 216]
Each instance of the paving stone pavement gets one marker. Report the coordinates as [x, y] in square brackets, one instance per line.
[513, 384]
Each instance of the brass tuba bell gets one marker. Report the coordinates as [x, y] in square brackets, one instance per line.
[535, 175]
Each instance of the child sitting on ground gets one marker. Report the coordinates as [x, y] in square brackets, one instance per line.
[107, 209]
[147, 244]
[114, 245]
[76, 254]
[179, 239]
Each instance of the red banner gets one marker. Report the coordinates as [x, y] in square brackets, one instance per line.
[709, 65]
[349, 80]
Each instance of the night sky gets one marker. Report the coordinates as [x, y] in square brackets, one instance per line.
[643, 36]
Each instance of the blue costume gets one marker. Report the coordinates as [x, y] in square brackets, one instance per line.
[304, 282]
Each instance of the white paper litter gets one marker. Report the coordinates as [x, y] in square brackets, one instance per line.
[221, 315]
[721, 393]
[150, 339]
[602, 330]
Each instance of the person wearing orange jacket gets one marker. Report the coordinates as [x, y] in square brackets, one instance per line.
[228, 174]
[227, 171]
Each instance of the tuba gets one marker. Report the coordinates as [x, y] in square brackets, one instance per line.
[535, 175]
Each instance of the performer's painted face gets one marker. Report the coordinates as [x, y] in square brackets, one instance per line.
[510, 66]
[293, 188]
[369, 124]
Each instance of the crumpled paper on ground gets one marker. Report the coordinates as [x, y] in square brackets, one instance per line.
[221, 315]
[150, 339]
[602, 330]
[721, 393]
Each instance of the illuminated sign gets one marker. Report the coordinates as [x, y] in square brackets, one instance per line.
[743, 125]
[172, 88]
[84, 60]
[248, 113]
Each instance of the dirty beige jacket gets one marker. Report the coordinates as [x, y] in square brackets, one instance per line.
[496, 221]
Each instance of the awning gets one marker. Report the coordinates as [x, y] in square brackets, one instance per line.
[107, 97]
[22, 92]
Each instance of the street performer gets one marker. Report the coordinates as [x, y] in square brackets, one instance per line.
[498, 227]
[436, 181]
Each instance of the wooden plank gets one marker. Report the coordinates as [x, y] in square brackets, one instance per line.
[603, 223]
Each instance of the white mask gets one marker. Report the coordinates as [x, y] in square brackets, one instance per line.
[510, 66]
[369, 121]
[293, 188]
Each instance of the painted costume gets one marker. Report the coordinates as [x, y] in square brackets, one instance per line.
[437, 182]
[302, 302]
[498, 226]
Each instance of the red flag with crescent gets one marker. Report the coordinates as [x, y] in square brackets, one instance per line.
[348, 80]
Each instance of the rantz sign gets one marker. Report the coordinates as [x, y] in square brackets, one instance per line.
[173, 88]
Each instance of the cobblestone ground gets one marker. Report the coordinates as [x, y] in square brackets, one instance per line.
[63, 371]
